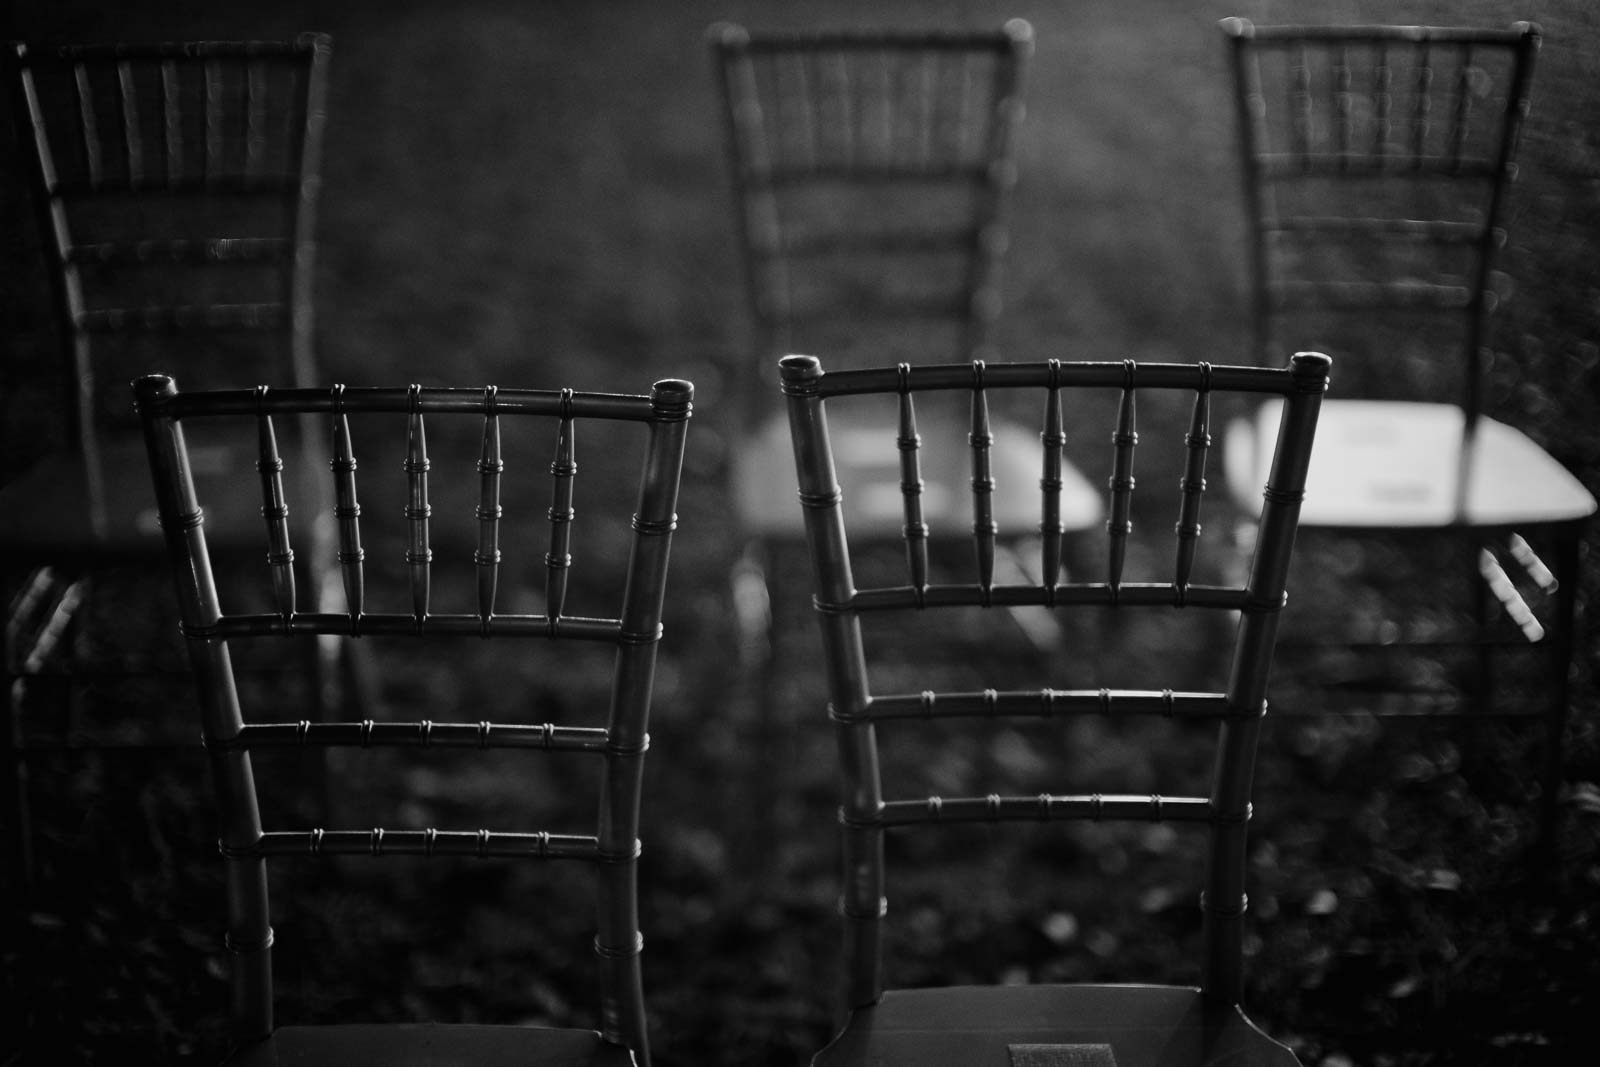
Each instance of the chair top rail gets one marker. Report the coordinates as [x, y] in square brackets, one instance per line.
[560, 627]
[1442, 231]
[1293, 34]
[204, 250]
[175, 51]
[669, 402]
[1279, 166]
[1126, 374]
[1015, 32]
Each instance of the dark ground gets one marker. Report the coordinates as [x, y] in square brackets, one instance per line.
[535, 195]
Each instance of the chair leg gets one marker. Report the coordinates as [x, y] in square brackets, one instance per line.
[1562, 644]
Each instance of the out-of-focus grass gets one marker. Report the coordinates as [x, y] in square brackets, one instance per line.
[534, 195]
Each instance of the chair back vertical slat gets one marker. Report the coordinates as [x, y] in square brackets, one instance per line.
[255, 117]
[1301, 125]
[1193, 485]
[88, 126]
[347, 511]
[1342, 105]
[1461, 123]
[1382, 100]
[490, 466]
[981, 442]
[172, 123]
[275, 510]
[1422, 104]
[1054, 440]
[305, 160]
[1223, 905]
[132, 137]
[419, 551]
[909, 443]
[558, 560]
[211, 72]
[1119, 524]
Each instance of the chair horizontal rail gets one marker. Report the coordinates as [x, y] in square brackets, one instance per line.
[859, 173]
[1357, 34]
[30, 55]
[1088, 594]
[425, 734]
[235, 402]
[381, 842]
[1436, 230]
[1282, 165]
[1047, 703]
[870, 40]
[1068, 374]
[243, 250]
[184, 317]
[262, 184]
[802, 243]
[1356, 295]
[1046, 807]
[444, 625]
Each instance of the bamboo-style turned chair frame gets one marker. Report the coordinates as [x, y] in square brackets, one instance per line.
[130, 149]
[1431, 112]
[858, 712]
[612, 849]
[851, 113]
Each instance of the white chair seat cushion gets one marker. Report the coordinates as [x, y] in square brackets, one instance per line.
[868, 463]
[1396, 464]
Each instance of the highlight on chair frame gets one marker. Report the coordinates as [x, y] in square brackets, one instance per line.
[211, 630]
[972, 1025]
[1377, 163]
[872, 171]
[176, 187]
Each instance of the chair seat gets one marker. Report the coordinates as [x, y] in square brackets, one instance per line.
[1051, 1026]
[867, 460]
[429, 1045]
[1395, 464]
[45, 513]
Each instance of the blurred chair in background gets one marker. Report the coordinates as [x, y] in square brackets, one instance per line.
[1008, 1026]
[235, 725]
[871, 172]
[1376, 164]
[176, 187]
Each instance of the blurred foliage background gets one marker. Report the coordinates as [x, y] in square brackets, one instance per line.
[536, 195]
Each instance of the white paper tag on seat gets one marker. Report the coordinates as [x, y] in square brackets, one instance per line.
[1061, 1056]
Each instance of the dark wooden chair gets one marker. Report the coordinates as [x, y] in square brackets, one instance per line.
[1044, 1024]
[216, 619]
[872, 171]
[176, 188]
[1377, 163]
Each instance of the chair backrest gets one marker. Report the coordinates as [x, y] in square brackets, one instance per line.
[634, 587]
[859, 711]
[177, 187]
[1375, 162]
[871, 170]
